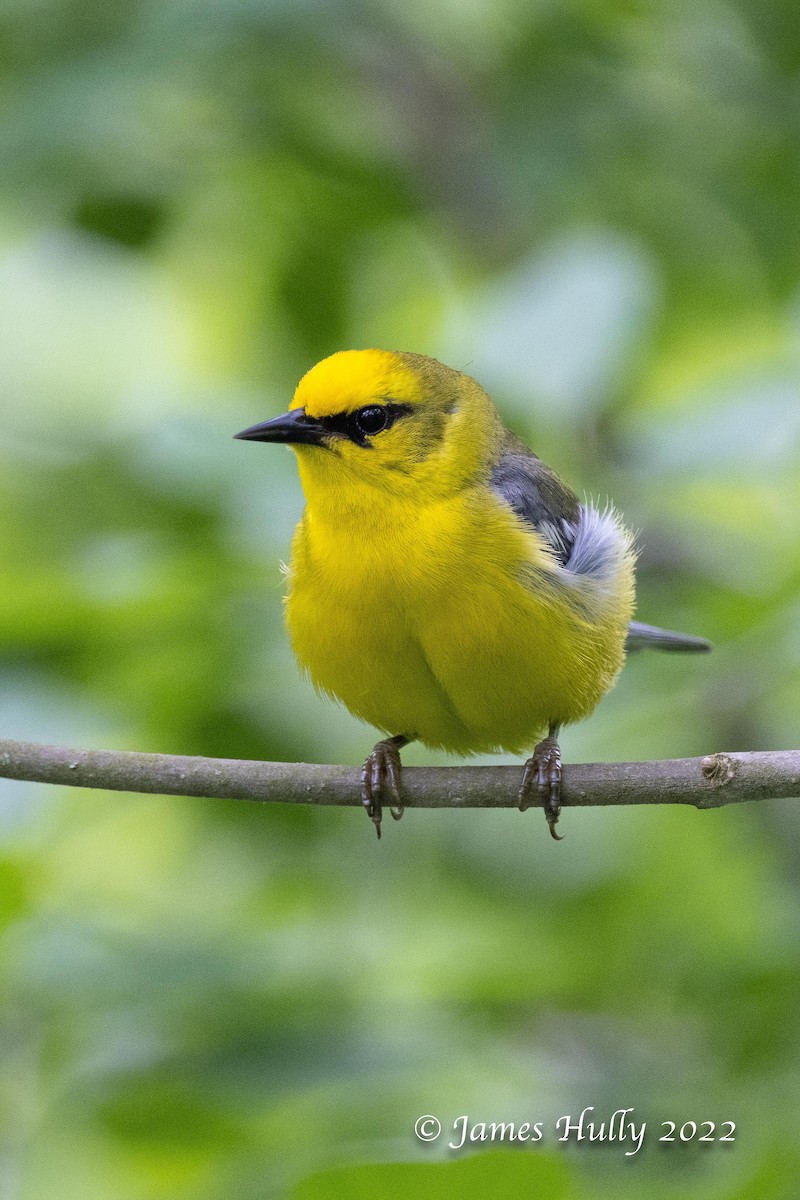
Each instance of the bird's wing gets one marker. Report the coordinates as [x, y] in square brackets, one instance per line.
[650, 637]
[537, 496]
[589, 545]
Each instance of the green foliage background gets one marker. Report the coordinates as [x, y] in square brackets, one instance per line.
[593, 207]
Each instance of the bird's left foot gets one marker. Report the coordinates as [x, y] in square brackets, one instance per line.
[381, 780]
[542, 779]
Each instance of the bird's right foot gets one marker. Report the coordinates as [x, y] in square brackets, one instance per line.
[381, 780]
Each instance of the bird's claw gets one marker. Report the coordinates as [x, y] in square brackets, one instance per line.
[542, 775]
[381, 780]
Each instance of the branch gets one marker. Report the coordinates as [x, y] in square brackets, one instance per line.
[702, 782]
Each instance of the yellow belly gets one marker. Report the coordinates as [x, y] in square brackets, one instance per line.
[424, 623]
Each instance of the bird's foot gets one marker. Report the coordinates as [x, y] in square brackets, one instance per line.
[381, 780]
[542, 778]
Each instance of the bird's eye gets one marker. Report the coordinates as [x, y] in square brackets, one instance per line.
[372, 419]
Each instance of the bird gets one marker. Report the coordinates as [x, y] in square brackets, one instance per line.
[445, 584]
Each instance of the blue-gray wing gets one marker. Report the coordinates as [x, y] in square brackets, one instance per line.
[588, 544]
[536, 494]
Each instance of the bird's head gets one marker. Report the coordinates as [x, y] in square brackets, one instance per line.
[400, 423]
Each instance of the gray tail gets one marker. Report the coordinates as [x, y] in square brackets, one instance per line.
[650, 637]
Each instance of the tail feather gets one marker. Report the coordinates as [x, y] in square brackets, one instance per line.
[650, 637]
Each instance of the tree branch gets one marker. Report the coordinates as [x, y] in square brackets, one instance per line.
[702, 782]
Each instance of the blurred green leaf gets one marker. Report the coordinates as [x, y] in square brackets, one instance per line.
[472, 1178]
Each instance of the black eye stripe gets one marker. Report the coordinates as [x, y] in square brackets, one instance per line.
[357, 425]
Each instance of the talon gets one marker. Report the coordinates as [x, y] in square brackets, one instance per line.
[372, 808]
[381, 780]
[542, 775]
[524, 796]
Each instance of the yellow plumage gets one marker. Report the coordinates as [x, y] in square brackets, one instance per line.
[444, 584]
[419, 599]
[421, 619]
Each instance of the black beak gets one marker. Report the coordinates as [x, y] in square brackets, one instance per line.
[292, 427]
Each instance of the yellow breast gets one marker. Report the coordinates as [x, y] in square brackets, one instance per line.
[448, 623]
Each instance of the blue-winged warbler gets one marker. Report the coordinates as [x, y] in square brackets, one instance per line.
[445, 584]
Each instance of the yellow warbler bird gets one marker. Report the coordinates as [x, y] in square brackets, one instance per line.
[445, 584]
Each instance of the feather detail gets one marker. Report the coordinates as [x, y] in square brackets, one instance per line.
[650, 637]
